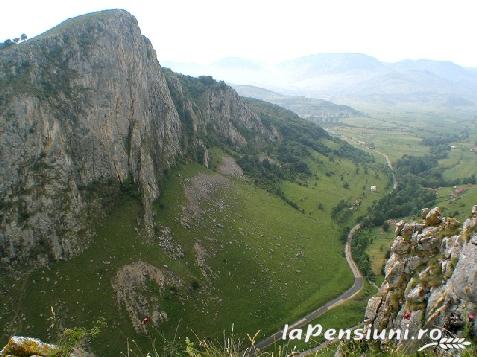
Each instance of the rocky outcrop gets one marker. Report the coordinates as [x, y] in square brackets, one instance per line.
[212, 112]
[134, 294]
[430, 277]
[27, 346]
[87, 103]
[199, 190]
[20, 346]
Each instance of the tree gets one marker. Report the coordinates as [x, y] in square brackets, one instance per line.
[7, 43]
[16, 39]
[23, 37]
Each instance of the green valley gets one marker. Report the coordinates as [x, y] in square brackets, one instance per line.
[248, 246]
[154, 208]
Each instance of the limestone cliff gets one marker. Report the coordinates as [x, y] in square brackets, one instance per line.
[213, 113]
[430, 277]
[85, 103]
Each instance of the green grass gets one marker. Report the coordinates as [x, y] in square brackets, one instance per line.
[461, 162]
[328, 189]
[263, 284]
[273, 263]
[458, 206]
[347, 315]
[377, 249]
[393, 141]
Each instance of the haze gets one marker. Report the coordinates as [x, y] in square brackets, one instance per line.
[273, 31]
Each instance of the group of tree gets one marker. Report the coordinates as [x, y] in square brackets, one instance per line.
[10, 42]
[418, 177]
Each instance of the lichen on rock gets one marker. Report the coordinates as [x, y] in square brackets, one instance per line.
[19, 346]
[430, 279]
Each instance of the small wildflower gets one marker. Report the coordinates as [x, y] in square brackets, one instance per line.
[472, 316]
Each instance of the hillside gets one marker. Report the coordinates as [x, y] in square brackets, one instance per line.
[164, 204]
[318, 110]
[94, 106]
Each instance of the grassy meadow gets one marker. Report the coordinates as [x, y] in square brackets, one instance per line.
[377, 250]
[457, 204]
[345, 316]
[270, 263]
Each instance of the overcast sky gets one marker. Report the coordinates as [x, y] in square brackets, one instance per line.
[271, 31]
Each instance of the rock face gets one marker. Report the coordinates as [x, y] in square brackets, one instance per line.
[86, 103]
[430, 277]
[131, 291]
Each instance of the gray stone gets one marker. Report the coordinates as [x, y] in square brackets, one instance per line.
[433, 218]
[401, 246]
[438, 285]
[372, 308]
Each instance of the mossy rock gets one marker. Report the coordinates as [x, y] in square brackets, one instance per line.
[27, 346]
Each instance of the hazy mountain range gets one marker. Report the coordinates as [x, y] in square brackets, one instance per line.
[315, 109]
[353, 78]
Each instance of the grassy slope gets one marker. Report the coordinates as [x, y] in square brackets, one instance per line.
[461, 162]
[261, 282]
[328, 189]
[458, 207]
[392, 138]
[378, 248]
[345, 316]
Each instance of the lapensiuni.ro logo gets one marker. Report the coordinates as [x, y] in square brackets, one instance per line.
[434, 337]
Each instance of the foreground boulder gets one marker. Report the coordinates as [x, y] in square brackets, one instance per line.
[19, 346]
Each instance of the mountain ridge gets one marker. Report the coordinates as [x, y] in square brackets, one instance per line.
[357, 78]
[319, 110]
[94, 118]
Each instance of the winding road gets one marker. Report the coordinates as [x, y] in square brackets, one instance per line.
[347, 295]
[344, 297]
[390, 165]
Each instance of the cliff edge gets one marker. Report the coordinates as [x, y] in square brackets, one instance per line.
[87, 105]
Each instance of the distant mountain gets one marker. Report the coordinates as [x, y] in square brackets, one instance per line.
[443, 69]
[311, 108]
[363, 78]
[358, 79]
[326, 63]
[258, 93]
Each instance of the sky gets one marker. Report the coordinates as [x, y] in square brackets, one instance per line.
[203, 31]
